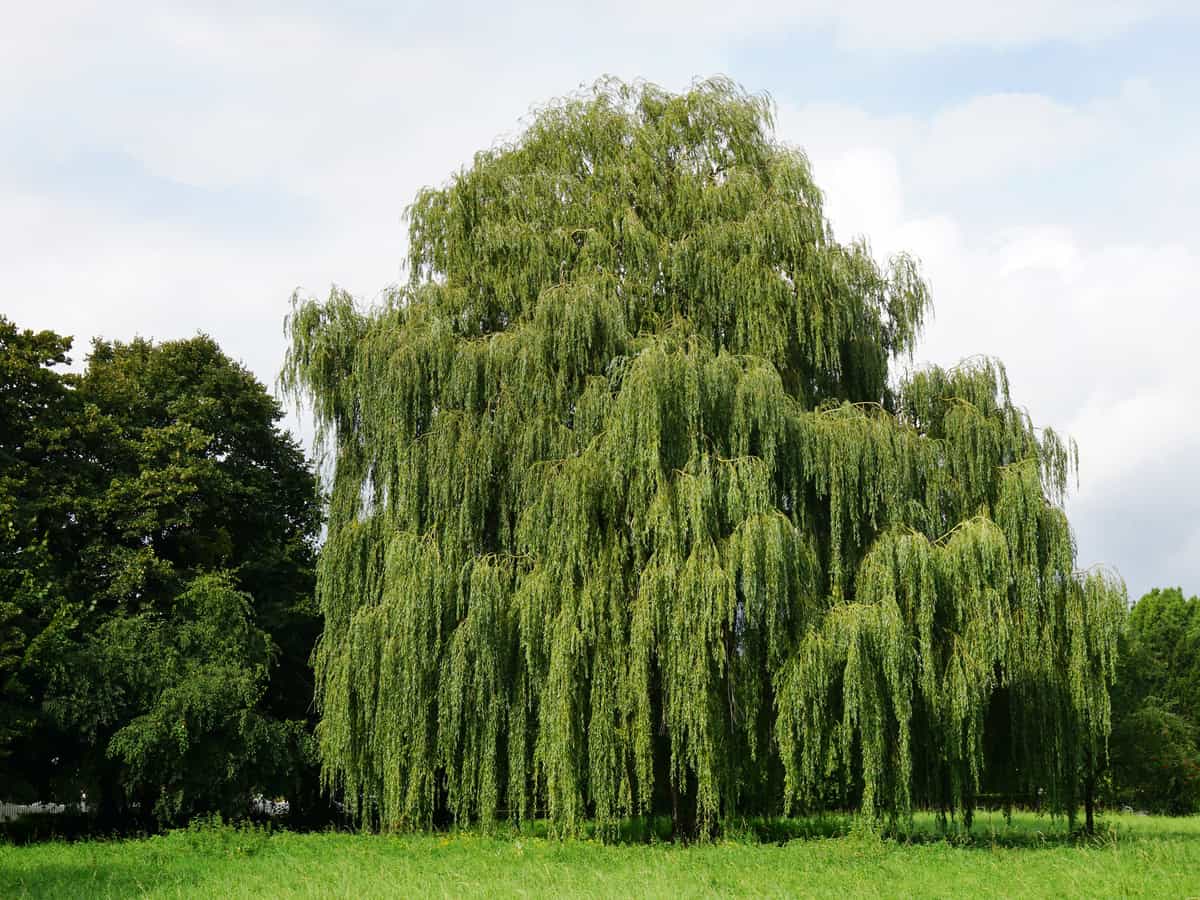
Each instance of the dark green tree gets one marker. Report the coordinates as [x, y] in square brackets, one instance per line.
[1156, 705]
[629, 514]
[188, 523]
[1164, 649]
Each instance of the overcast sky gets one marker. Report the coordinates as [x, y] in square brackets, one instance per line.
[170, 168]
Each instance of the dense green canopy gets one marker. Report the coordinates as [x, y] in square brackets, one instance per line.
[629, 514]
[157, 546]
[1156, 706]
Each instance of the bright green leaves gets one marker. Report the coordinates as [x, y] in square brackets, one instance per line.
[628, 516]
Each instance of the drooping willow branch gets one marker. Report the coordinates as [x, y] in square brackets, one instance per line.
[628, 516]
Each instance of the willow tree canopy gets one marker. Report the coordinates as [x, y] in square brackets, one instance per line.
[629, 515]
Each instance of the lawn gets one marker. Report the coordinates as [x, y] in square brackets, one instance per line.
[1132, 856]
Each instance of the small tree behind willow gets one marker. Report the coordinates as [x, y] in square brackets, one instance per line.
[628, 515]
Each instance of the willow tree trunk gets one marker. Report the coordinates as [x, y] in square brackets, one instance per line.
[1089, 799]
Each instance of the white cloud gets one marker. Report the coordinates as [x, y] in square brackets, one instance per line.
[1087, 299]
[1098, 337]
[968, 147]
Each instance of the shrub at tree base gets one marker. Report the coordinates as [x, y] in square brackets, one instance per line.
[627, 515]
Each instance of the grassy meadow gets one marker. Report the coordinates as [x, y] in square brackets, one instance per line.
[1137, 856]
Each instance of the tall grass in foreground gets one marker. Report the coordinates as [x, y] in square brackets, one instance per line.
[1031, 856]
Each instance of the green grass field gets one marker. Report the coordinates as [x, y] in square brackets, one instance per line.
[1132, 856]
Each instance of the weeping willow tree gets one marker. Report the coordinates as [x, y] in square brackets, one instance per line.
[629, 515]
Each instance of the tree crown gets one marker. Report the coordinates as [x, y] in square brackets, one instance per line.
[626, 505]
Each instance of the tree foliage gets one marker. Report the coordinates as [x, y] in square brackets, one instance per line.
[629, 512]
[35, 470]
[1156, 705]
[165, 543]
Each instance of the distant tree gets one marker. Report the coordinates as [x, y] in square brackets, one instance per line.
[1156, 705]
[630, 515]
[181, 682]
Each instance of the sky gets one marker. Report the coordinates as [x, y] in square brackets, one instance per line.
[173, 168]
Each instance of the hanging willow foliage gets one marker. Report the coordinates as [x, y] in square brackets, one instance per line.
[628, 517]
